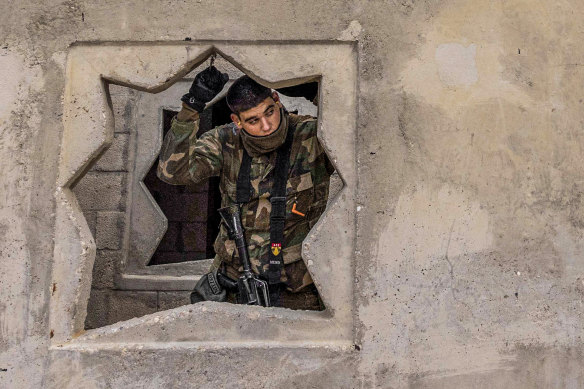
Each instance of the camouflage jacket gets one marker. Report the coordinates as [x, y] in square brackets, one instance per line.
[219, 153]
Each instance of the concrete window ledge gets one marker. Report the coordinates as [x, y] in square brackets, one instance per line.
[220, 323]
[88, 130]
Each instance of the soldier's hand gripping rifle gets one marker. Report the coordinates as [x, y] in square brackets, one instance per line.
[252, 290]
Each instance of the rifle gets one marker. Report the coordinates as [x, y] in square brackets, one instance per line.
[252, 290]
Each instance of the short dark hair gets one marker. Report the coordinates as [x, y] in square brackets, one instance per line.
[245, 94]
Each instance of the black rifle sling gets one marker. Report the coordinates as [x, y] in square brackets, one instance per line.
[278, 212]
[243, 189]
[277, 200]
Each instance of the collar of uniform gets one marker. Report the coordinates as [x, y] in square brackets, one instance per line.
[258, 145]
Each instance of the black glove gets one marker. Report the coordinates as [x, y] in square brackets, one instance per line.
[208, 289]
[205, 87]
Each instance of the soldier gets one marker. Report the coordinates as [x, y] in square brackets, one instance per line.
[243, 154]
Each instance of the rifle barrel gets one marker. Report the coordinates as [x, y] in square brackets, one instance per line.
[232, 217]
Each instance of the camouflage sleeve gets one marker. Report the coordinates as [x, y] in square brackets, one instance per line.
[184, 158]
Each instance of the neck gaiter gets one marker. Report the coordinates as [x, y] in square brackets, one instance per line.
[257, 145]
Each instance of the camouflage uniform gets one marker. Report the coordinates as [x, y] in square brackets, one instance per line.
[219, 152]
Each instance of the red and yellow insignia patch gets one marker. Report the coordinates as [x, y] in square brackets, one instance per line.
[276, 248]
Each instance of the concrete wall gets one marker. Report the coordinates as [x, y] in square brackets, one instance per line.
[466, 261]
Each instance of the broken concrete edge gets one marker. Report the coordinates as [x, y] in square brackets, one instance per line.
[166, 83]
[78, 88]
[73, 163]
[68, 304]
[183, 324]
[76, 159]
[340, 203]
[152, 222]
[345, 314]
[146, 227]
[266, 81]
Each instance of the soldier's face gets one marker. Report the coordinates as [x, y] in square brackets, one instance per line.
[261, 120]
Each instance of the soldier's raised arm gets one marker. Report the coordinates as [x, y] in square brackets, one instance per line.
[183, 158]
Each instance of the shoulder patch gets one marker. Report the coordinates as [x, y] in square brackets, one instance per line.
[306, 127]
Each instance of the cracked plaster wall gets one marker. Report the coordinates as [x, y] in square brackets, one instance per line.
[468, 256]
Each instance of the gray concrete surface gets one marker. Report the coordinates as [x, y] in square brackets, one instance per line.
[462, 265]
[74, 249]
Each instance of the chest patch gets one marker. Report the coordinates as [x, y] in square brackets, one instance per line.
[276, 248]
